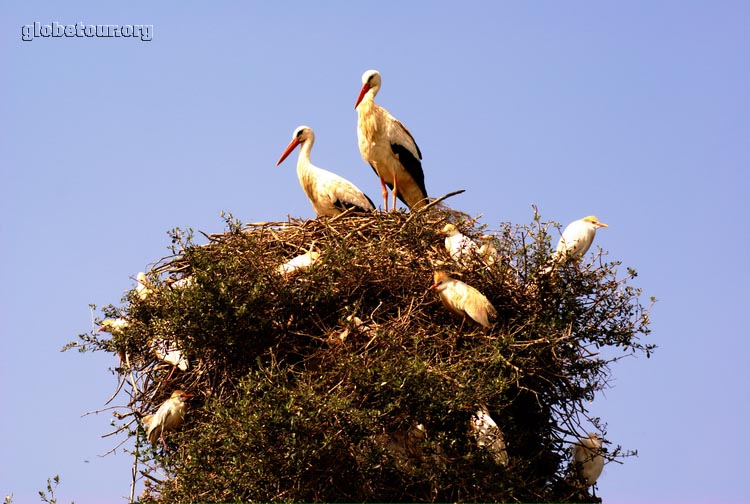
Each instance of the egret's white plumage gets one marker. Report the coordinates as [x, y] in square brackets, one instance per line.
[489, 435]
[388, 147]
[146, 421]
[170, 353]
[588, 459]
[459, 246]
[405, 445]
[143, 288]
[168, 417]
[299, 263]
[114, 326]
[355, 324]
[329, 194]
[487, 250]
[577, 238]
[463, 300]
[182, 283]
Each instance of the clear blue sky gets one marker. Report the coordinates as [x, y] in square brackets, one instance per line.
[638, 112]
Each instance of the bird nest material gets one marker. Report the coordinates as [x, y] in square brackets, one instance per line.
[347, 379]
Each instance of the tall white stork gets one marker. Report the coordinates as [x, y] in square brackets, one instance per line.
[588, 459]
[463, 300]
[389, 148]
[329, 193]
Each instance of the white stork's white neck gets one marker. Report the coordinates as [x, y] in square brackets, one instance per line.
[368, 100]
[303, 161]
[305, 168]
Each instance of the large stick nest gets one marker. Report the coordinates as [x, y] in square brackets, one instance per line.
[308, 384]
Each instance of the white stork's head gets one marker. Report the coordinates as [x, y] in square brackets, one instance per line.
[301, 135]
[370, 84]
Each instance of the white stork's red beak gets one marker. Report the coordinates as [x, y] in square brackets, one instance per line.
[362, 93]
[289, 148]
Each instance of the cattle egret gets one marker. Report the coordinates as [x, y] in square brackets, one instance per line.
[577, 238]
[487, 250]
[168, 417]
[587, 455]
[299, 263]
[181, 283]
[146, 421]
[114, 326]
[388, 147]
[459, 246]
[328, 193]
[170, 353]
[489, 435]
[404, 445]
[463, 300]
[355, 324]
[143, 288]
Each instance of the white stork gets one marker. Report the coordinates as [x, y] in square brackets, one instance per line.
[463, 300]
[329, 193]
[588, 459]
[168, 417]
[388, 147]
[489, 435]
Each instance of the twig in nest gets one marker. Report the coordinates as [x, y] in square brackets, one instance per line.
[147, 475]
[431, 204]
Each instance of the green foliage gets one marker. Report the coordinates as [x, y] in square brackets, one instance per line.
[47, 496]
[295, 401]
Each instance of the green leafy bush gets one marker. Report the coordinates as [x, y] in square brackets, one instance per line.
[349, 381]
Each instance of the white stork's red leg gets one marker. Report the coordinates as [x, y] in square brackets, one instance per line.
[395, 189]
[385, 193]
